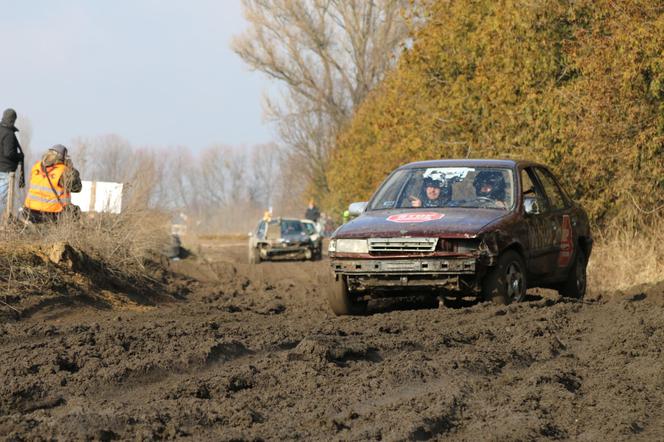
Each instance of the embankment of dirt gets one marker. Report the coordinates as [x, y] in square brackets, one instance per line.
[48, 278]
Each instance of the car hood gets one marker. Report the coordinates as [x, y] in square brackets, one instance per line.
[442, 223]
[295, 237]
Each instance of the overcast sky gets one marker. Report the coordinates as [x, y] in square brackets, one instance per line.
[157, 72]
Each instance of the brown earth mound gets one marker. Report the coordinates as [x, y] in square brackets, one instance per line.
[253, 353]
[57, 278]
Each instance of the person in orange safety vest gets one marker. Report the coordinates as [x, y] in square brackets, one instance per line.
[52, 180]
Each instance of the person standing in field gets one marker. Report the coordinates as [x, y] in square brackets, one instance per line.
[312, 213]
[10, 154]
[52, 180]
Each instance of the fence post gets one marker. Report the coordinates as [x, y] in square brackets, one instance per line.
[9, 207]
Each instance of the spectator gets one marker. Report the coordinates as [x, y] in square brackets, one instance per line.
[10, 154]
[312, 212]
[52, 179]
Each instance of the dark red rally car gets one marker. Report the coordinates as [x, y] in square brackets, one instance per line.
[457, 228]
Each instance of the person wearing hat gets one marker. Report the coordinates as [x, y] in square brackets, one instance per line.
[435, 193]
[52, 180]
[10, 153]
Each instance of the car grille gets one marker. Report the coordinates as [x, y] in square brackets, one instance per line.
[402, 244]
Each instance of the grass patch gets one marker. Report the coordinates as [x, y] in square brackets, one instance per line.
[627, 256]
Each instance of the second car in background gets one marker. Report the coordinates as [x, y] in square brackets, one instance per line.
[283, 238]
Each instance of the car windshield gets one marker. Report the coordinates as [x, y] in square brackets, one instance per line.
[432, 187]
[291, 227]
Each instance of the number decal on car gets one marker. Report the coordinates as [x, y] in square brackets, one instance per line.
[415, 217]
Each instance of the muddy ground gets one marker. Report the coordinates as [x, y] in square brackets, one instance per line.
[239, 352]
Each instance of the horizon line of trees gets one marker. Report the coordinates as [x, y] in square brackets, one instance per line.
[221, 188]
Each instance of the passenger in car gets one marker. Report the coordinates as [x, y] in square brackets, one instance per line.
[435, 193]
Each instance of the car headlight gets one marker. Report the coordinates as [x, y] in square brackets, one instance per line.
[332, 247]
[351, 246]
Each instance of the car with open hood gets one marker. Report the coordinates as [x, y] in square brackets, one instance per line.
[457, 228]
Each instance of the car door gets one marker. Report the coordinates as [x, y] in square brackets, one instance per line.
[541, 228]
[559, 216]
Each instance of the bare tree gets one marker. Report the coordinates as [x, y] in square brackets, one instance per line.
[112, 158]
[106, 158]
[265, 172]
[329, 54]
[223, 188]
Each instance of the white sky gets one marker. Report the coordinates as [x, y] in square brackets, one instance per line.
[156, 72]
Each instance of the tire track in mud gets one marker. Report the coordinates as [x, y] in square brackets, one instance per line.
[254, 353]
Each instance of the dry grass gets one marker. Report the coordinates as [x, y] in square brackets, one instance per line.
[625, 257]
[122, 244]
[24, 269]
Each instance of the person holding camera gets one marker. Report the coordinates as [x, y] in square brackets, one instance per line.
[52, 180]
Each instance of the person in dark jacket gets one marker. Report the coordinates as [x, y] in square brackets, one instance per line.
[10, 153]
[312, 213]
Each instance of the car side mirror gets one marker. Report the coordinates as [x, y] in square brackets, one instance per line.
[356, 209]
[531, 205]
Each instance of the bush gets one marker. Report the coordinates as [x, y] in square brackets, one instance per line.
[577, 85]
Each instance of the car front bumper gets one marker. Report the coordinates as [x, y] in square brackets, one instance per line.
[405, 266]
[283, 249]
[454, 274]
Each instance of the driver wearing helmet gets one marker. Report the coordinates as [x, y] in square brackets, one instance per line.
[490, 184]
[435, 193]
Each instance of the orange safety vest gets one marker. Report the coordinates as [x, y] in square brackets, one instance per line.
[40, 195]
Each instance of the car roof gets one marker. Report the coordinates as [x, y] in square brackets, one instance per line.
[281, 219]
[470, 163]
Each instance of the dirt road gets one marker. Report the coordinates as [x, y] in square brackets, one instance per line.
[254, 353]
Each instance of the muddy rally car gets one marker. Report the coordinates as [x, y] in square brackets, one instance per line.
[281, 238]
[314, 233]
[456, 228]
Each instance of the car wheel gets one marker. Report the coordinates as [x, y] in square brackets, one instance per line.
[506, 282]
[254, 256]
[575, 285]
[341, 300]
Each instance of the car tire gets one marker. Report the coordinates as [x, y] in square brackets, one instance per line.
[506, 282]
[576, 283]
[341, 300]
[254, 256]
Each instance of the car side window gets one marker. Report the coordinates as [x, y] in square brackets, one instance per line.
[261, 229]
[309, 228]
[531, 187]
[555, 194]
